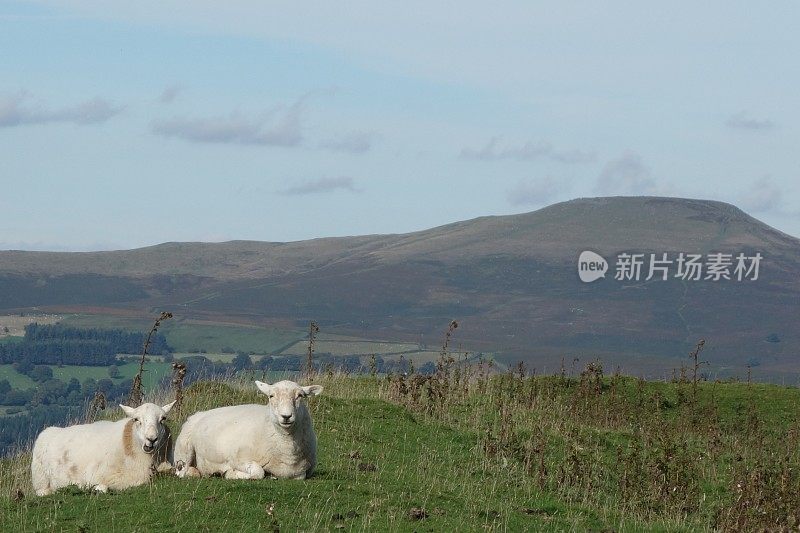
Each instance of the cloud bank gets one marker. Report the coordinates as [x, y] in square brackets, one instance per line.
[280, 127]
[15, 110]
[526, 152]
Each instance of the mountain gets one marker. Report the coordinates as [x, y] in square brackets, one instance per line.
[511, 281]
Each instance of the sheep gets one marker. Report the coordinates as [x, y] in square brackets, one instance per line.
[251, 441]
[103, 455]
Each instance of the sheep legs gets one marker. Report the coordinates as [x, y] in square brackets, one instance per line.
[248, 470]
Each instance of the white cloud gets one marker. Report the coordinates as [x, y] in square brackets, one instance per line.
[357, 142]
[280, 127]
[169, 94]
[16, 111]
[322, 185]
[762, 196]
[535, 192]
[744, 122]
[526, 152]
[627, 175]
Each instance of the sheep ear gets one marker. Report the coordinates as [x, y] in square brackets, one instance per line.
[266, 388]
[130, 411]
[167, 407]
[312, 390]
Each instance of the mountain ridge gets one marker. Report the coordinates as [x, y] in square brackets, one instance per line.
[440, 241]
[510, 280]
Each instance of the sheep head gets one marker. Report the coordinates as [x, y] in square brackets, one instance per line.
[286, 406]
[147, 427]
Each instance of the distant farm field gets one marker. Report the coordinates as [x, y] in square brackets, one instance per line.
[107, 321]
[15, 379]
[14, 325]
[350, 347]
[154, 372]
[188, 336]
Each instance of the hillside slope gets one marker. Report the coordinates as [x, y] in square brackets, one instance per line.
[502, 453]
[510, 279]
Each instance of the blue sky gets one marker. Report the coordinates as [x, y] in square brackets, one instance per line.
[124, 124]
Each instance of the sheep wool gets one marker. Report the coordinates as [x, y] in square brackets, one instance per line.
[252, 441]
[101, 456]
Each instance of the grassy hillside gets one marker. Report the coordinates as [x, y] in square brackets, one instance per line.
[465, 451]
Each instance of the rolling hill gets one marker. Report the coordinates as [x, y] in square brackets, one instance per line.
[511, 281]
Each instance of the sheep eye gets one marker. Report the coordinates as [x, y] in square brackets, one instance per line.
[271, 395]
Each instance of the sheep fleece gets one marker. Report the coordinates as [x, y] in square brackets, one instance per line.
[225, 437]
[87, 455]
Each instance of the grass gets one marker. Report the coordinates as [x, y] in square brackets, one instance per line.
[377, 462]
[475, 452]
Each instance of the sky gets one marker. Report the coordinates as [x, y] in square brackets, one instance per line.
[127, 124]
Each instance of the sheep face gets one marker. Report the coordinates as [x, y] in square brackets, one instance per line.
[148, 428]
[286, 401]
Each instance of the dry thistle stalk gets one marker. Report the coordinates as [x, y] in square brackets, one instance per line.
[97, 404]
[178, 375]
[136, 396]
[313, 329]
[373, 366]
[696, 365]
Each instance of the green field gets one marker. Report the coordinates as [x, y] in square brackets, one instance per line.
[185, 336]
[213, 340]
[469, 452]
[15, 379]
[154, 371]
[350, 347]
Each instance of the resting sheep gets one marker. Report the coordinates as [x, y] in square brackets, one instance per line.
[251, 441]
[102, 455]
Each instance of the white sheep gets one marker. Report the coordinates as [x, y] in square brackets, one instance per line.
[251, 441]
[102, 455]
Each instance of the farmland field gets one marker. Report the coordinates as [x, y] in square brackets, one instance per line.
[189, 336]
[351, 347]
[15, 379]
[16, 323]
[155, 371]
[186, 337]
